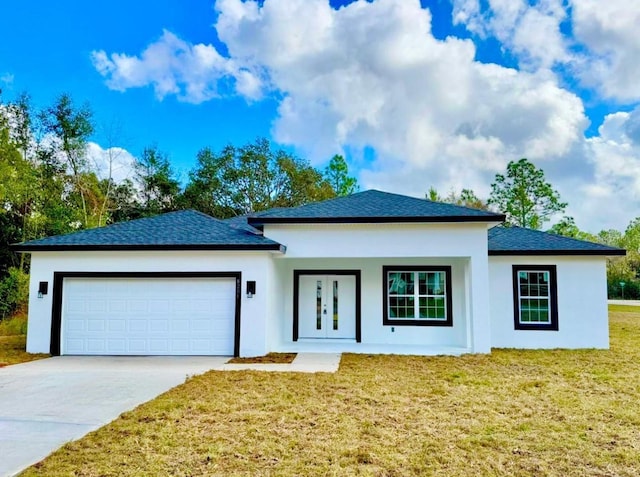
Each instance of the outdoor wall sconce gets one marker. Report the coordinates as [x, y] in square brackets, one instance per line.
[43, 289]
[251, 289]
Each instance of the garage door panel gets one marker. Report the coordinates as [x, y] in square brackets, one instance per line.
[137, 346]
[96, 326]
[138, 326]
[137, 306]
[159, 306]
[96, 346]
[148, 316]
[75, 325]
[158, 326]
[117, 306]
[117, 326]
[117, 346]
[75, 346]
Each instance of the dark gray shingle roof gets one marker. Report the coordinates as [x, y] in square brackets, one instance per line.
[521, 241]
[374, 206]
[181, 230]
[240, 222]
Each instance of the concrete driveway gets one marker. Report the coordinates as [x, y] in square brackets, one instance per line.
[46, 403]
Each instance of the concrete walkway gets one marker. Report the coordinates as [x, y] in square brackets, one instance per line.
[624, 302]
[46, 403]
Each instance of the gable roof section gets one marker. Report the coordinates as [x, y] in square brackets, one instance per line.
[182, 230]
[373, 206]
[521, 241]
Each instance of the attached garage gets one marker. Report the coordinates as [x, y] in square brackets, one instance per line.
[146, 314]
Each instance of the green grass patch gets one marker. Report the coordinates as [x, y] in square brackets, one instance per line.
[15, 325]
[624, 308]
[513, 412]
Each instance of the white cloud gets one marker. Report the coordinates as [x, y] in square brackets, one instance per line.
[372, 75]
[530, 31]
[172, 66]
[610, 32]
[7, 78]
[603, 51]
[114, 162]
[614, 191]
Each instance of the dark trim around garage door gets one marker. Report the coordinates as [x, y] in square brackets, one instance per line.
[58, 281]
[296, 289]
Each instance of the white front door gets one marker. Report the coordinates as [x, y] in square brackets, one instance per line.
[327, 306]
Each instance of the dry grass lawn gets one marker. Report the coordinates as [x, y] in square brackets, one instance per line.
[12, 351]
[560, 413]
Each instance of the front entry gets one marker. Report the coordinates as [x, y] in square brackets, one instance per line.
[327, 306]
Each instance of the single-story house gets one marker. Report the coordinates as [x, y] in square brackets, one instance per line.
[372, 272]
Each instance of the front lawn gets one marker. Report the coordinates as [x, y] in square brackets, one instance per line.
[564, 413]
[12, 350]
[13, 341]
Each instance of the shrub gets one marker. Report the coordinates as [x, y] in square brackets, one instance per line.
[14, 292]
[631, 289]
[14, 325]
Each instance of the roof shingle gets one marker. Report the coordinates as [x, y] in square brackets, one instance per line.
[180, 230]
[374, 206]
[521, 241]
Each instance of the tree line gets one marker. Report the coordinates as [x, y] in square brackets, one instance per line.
[50, 185]
[528, 200]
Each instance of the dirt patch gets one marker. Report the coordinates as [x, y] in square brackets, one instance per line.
[271, 358]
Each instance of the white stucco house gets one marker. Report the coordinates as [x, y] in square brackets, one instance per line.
[372, 272]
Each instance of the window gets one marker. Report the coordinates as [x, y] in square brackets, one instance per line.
[417, 296]
[535, 298]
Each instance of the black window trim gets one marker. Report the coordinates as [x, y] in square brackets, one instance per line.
[553, 298]
[386, 321]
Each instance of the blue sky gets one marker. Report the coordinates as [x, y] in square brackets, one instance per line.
[440, 93]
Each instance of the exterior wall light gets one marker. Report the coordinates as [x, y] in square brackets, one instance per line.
[251, 289]
[43, 289]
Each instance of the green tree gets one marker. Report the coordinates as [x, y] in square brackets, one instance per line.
[626, 268]
[250, 178]
[610, 237]
[566, 227]
[19, 190]
[159, 188]
[70, 127]
[524, 195]
[466, 198]
[631, 238]
[302, 183]
[433, 195]
[337, 175]
[207, 190]
[123, 202]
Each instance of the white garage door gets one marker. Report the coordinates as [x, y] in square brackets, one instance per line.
[149, 316]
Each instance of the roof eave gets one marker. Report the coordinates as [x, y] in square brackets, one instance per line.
[273, 247]
[606, 253]
[259, 221]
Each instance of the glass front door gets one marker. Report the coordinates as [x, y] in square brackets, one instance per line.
[327, 306]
